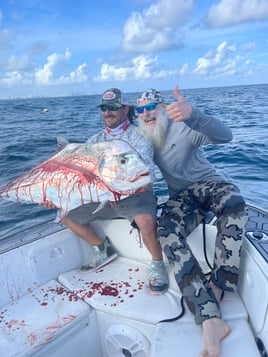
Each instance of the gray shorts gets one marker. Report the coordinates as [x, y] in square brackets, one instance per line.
[129, 208]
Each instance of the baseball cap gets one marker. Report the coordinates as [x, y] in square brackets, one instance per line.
[151, 94]
[113, 96]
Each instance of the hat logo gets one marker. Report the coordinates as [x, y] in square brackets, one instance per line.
[109, 96]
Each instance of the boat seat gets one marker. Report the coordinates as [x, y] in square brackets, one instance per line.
[32, 322]
[171, 337]
[185, 339]
[232, 308]
[121, 288]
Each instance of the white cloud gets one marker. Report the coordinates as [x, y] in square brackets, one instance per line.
[27, 58]
[22, 72]
[184, 69]
[234, 12]
[22, 63]
[44, 75]
[156, 28]
[222, 62]
[15, 78]
[140, 67]
[77, 76]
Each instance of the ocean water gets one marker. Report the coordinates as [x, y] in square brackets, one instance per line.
[28, 137]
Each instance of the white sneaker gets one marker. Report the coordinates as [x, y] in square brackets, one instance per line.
[158, 277]
[103, 255]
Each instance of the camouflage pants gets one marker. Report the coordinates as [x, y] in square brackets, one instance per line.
[180, 215]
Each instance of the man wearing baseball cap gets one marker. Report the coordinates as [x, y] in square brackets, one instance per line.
[178, 132]
[139, 209]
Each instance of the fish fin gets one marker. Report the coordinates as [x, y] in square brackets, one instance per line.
[60, 215]
[61, 143]
[100, 206]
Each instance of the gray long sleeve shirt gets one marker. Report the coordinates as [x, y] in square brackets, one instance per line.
[181, 160]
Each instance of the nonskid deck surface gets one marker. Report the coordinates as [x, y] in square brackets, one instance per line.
[257, 230]
[257, 220]
[120, 289]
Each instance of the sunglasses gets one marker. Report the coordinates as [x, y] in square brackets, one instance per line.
[149, 107]
[112, 108]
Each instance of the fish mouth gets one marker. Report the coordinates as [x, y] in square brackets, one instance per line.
[140, 175]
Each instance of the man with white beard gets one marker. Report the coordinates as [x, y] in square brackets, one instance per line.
[178, 131]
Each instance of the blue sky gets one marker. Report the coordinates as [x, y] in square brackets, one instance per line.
[59, 47]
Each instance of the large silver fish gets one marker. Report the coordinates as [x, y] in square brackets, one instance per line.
[80, 174]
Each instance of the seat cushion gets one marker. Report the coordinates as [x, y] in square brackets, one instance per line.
[186, 339]
[121, 288]
[39, 317]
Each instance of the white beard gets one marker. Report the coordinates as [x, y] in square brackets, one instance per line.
[155, 133]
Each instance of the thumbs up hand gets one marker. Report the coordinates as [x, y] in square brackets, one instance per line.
[179, 110]
[178, 94]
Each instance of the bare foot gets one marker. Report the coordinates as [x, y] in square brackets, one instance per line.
[217, 291]
[214, 330]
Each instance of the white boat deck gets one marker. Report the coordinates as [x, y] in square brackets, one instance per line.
[50, 308]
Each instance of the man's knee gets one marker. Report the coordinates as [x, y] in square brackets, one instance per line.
[146, 223]
[235, 206]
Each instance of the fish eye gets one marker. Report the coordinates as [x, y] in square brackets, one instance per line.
[123, 160]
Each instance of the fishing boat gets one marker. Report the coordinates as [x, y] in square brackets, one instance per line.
[49, 307]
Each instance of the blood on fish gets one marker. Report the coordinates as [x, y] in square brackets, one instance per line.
[80, 174]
